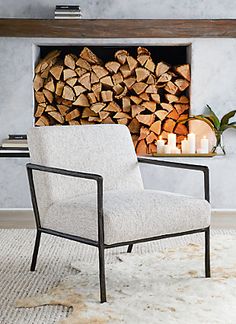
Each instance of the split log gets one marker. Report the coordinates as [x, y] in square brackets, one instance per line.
[97, 107]
[150, 65]
[125, 70]
[156, 127]
[152, 137]
[48, 95]
[59, 88]
[72, 115]
[136, 100]
[141, 74]
[126, 105]
[38, 82]
[136, 110]
[134, 126]
[144, 132]
[82, 101]
[56, 71]
[42, 121]
[169, 125]
[161, 114]
[156, 97]
[68, 93]
[146, 119]
[132, 63]
[68, 73]
[112, 66]
[83, 64]
[107, 95]
[39, 111]
[85, 81]
[121, 56]
[141, 148]
[69, 61]
[89, 56]
[181, 129]
[184, 71]
[117, 78]
[113, 107]
[182, 84]
[129, 82]
[100, 71]
[150, 105]
[139, 87]
[57, 116]
[161, 68]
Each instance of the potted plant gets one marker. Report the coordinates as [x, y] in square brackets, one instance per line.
[217, 125]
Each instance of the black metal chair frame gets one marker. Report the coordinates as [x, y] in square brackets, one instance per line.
[100, 243]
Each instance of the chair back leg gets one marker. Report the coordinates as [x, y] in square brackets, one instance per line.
[36, 249]
[130, 247]
[207, 253]
[102, 278]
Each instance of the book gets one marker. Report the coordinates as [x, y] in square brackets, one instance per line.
[14, 143]
[17, 136]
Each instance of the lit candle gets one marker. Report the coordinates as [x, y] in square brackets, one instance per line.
[172, 140]
[204, 145]
[167, 149]
[175, 150]
[160, 145]
[185, 146]
[192, 143]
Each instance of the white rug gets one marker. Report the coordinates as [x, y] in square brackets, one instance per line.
[160, 282]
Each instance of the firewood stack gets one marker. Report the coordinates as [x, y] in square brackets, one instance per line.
[151, 99]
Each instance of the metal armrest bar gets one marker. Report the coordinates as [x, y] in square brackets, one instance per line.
[64, 172]
[98, 178]
[179, 165]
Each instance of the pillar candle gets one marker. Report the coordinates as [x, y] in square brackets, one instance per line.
[160, 145]
[185, 146]
[172, 140]
[175, 150]
[192, 143]
[167, 149]
[204, 145]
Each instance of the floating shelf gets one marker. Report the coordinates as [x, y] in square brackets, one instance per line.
[118, 28]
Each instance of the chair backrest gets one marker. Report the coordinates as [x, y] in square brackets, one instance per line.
[103, 149]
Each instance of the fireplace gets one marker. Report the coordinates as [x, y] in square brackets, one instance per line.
[145, 88]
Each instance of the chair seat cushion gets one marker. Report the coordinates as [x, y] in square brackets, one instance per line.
[128, 215]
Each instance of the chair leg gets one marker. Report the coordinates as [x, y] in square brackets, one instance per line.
[130, 247]
[207, 253]
[36, 249]
[102, 278]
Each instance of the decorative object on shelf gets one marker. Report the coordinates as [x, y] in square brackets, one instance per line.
[67, 12]
[217, 125]
[192, 143]
[15, 142]
[160, 145]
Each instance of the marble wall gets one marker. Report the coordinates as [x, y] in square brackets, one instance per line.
[213, 82]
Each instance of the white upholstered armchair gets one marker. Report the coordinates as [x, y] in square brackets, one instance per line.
[86, 186]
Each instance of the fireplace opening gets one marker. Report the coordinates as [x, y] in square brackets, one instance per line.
[145, 88]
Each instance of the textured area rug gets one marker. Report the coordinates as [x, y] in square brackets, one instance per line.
[160, 282]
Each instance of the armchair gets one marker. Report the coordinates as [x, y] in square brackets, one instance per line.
[86, 186]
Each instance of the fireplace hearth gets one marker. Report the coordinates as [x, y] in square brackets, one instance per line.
[145, 88]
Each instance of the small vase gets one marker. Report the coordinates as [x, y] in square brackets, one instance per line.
[219, 147]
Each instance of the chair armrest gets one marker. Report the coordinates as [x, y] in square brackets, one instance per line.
[90, 176]
[187, 166]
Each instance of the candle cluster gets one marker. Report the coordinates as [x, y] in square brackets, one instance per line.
[188, 145]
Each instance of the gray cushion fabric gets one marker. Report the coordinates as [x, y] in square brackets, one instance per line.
[68, 204]
[129, 215]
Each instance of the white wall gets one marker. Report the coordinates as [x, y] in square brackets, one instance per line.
[213, 82]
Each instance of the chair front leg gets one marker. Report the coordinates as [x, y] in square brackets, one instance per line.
[207, 253]
[102, 277]
[36, 249]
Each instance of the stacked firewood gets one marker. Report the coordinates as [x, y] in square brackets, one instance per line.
[151, 99]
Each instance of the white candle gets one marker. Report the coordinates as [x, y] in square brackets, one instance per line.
[192, 143]
[172, 140]
[204, 145]
[160, 145]
[175, 150]
[185, 146]
[167, 149]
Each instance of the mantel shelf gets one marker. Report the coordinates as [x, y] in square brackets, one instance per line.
[118, 28]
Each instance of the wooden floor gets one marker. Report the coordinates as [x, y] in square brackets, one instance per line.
[25, 219]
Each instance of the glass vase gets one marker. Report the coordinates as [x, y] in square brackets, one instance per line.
[219, 147]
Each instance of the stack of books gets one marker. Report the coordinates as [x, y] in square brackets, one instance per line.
[15, 142]
[67, 12]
